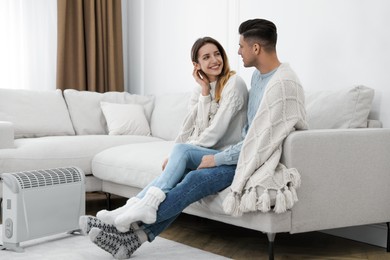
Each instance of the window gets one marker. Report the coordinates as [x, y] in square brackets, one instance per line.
[28, 44]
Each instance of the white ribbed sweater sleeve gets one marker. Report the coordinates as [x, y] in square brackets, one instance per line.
[197, 118]
[202, 115]
[232, 100]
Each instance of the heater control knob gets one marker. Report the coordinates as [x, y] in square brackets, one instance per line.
[8, 228]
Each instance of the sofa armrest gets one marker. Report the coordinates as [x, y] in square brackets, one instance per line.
[6, 135]
[345, 177]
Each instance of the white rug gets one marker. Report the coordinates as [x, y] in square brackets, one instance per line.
[78, 247]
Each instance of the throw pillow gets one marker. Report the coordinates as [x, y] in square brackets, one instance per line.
[125, 119]
[344, 108]
[85, 112]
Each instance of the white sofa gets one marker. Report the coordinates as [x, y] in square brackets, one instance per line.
[49, 129]
[343, 159]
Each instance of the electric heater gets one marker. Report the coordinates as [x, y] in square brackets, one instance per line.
[40, 203]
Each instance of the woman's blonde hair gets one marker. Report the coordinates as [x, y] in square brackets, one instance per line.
[226, 73]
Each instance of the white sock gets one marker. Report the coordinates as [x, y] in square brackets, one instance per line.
[108, 217]
[144, 210]
[86, 223]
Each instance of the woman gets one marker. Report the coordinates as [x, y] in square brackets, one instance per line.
[217, 116]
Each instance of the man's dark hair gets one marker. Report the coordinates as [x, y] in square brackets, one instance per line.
[261, 31]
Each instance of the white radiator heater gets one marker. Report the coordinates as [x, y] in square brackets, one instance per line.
[40, 203]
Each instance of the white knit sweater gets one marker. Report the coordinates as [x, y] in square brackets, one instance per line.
[282, 110]
[216, 125]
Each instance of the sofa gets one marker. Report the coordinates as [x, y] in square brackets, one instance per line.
[49, 129]
[120, 140]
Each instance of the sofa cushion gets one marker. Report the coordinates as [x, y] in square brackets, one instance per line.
[35, 113]
[344, 108]
[125, 119]
[134, 164]
[61, 151]
[86, 114]
[168, 115]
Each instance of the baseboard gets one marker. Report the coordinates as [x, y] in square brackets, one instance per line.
[375, 234]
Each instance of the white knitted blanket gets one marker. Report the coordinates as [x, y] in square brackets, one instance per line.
[259, 171]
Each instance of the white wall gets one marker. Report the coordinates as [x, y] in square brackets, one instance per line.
[333, 44]
[330, 43]
[160, 39]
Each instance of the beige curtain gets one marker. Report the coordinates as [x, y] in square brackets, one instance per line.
[90, 53]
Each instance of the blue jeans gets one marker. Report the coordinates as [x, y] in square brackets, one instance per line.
[195, 186]
[183, 159]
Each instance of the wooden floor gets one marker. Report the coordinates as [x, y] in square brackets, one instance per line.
[239, 243]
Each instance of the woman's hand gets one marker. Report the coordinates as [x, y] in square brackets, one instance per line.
[164, 163]
[202, 80]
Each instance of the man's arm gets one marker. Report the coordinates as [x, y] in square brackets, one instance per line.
[228, 156]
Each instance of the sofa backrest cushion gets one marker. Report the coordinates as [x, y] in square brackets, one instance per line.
[35, 113]
[125, 119]
[344, 108]
[168, 114]
[86, 113]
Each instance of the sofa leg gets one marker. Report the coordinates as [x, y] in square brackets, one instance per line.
[108, 201]
[388, 237]
[271, 239]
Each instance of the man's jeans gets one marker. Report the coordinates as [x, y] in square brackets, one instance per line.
[183, 159]
[196, 185]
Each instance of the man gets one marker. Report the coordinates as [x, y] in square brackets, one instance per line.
[216, 172]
